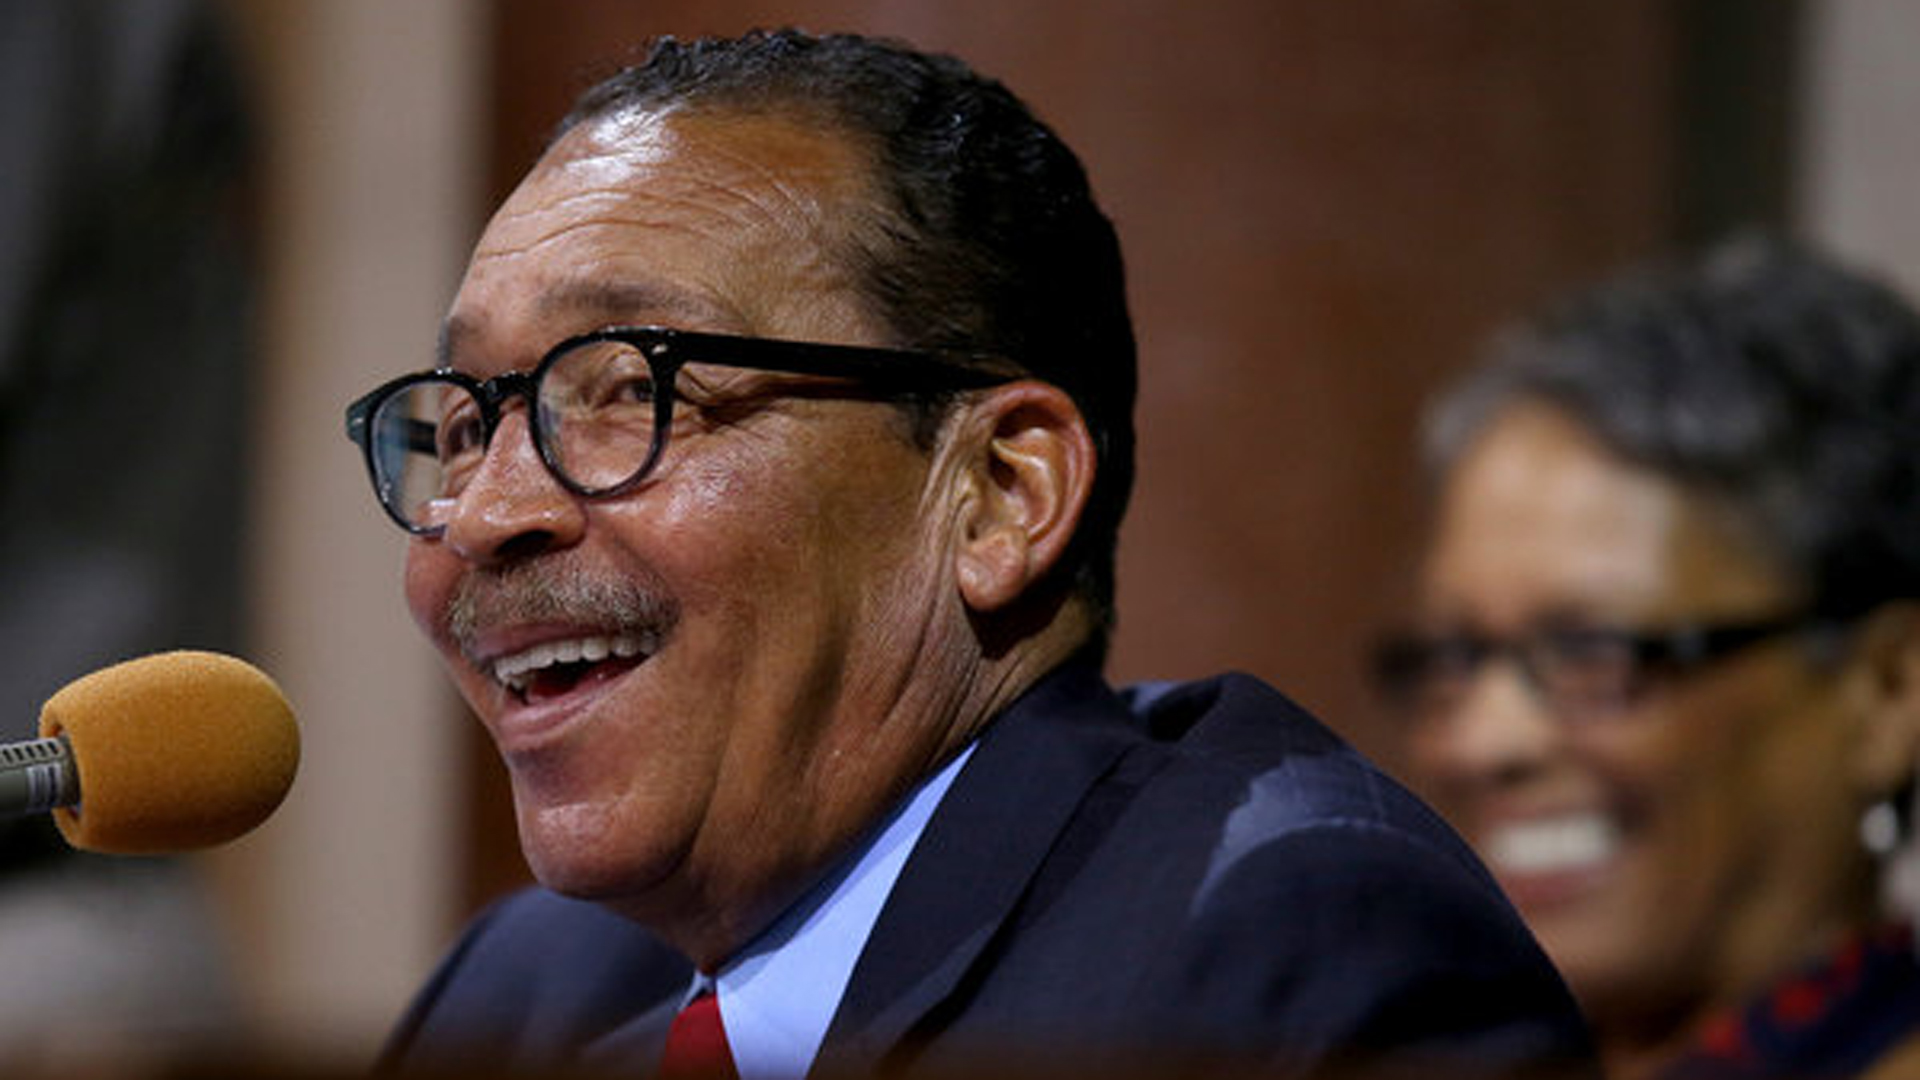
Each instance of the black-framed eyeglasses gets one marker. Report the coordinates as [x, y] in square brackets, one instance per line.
[601, 407]
[1580, 672]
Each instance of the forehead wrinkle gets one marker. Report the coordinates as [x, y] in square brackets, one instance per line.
[729, 176]
[711, 212]
[763, 188]
[604, 301]
[759, 171]
[530, 231]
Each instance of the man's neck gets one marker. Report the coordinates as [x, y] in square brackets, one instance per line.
[941, 709]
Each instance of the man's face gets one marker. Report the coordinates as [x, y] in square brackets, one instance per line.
[737, 645]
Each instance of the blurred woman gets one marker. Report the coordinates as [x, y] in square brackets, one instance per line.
[1666, 660]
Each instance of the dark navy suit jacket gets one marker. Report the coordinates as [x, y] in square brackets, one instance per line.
[1110, 880]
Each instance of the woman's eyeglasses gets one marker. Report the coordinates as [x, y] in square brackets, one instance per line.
[1580, 672]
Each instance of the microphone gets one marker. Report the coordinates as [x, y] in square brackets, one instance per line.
[164, 753]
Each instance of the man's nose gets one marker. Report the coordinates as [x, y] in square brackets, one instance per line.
[513, 507]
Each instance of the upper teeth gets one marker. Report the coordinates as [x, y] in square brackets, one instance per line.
[517, 669]
[1558, 844]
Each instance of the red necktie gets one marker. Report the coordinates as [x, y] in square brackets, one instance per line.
[697, 1043]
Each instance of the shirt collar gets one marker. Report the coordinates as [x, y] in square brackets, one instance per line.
[778, 996]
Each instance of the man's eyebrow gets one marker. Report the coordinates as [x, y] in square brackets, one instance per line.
[625, 302]
[577, 307]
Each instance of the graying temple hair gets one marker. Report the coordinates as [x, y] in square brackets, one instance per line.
[1778, 387]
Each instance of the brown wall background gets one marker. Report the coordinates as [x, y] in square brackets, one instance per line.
[1323, 205]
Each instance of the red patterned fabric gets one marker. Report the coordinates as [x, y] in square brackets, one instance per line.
[1832, 1019]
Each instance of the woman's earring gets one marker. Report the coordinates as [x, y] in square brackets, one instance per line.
[1881, 828]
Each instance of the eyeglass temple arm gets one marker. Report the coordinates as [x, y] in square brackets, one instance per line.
[907, 368]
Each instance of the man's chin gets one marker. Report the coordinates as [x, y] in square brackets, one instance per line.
[600, 881]
[576, 859]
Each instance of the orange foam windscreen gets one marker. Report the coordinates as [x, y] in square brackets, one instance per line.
[174, 751]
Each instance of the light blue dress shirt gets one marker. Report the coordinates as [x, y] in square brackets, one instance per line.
[778, 996]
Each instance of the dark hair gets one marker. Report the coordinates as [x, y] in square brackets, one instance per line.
[987, 240]
[1777, 386]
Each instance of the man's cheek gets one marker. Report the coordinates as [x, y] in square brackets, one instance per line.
[427, 582]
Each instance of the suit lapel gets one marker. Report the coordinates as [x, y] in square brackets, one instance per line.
[989, 838]
[639, 1040]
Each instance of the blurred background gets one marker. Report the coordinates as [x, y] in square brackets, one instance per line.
[1324, 208]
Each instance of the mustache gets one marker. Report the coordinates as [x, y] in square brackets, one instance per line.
[547, 592]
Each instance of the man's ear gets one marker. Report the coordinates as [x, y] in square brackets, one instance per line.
[1029, 464]
[1886, 693]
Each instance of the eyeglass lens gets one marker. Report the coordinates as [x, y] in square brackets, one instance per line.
[595, 419]
[1578, 672]
[1581, 672]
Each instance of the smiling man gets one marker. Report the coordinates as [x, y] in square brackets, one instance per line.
[764, 508]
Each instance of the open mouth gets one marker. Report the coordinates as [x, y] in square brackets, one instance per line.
[552, 669]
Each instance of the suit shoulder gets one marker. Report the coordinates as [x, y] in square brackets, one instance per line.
[1257, 767]
[539, 973]
[1302, 894]
[1231, 720]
